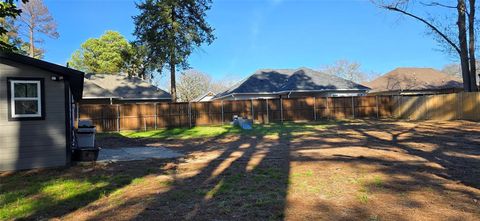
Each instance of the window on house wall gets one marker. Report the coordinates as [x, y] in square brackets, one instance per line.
[26, 98]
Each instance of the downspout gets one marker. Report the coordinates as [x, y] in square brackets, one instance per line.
[288, 96]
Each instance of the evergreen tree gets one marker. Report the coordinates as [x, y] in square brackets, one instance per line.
[171, 30]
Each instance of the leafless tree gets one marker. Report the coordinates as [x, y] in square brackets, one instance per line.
[459, 38]
[452, 69]
[191, 84]
[35, 21]
[346, 69]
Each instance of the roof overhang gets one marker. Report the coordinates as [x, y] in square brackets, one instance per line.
[291, 91]
[416, 91]
[121, 98]
[74, 77]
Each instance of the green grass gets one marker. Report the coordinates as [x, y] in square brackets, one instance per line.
[183, 133]
[23, 195]
[363, 197]
[215, 131]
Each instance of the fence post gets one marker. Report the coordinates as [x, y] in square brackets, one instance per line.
[253, 115]
[353, 108]
[460, 112]
[190, 114]
[376, 102]
[118, 117]
[268, 116]
[155, 106]
[400, 110]
[281, 109]
[223, 118]
[144, 123]
[328, 110]
[425, 98]
[314, 109]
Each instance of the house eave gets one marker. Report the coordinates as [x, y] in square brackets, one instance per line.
[288, 91]
[120, 98]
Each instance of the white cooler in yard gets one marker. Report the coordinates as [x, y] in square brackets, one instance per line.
[85, 134]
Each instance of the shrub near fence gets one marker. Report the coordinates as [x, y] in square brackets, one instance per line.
[146, 116]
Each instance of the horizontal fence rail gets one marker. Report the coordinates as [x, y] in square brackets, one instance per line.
[147, 116]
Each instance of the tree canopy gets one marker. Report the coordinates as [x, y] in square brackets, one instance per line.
[171, 30]
[104, 55]
[8, 11]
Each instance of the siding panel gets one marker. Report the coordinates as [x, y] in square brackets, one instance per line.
[38, 143]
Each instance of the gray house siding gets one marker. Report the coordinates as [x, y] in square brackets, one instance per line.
[32, 143]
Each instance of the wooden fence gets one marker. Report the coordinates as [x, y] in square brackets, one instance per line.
[146, 116]
[118, 117]
[460, 106]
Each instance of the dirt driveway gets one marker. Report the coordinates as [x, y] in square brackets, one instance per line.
[348, 171]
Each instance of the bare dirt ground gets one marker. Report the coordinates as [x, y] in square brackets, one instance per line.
[365, 170]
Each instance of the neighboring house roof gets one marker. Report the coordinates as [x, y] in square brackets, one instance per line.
[73, 76]
[277, 81]
[201, 97]
[405, 79]
[121, 86]
[92, 90]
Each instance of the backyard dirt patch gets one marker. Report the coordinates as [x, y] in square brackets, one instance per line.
[361, 170]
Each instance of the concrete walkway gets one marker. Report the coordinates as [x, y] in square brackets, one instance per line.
[135, 153]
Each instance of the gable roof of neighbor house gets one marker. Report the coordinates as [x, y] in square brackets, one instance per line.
[122, 87]
[276, 81]
[409, 78]
[208, 94]
[73, 76]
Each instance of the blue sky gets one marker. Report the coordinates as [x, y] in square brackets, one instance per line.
[254, 34]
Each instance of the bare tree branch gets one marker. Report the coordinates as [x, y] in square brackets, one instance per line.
[435, 29]
[438, 4]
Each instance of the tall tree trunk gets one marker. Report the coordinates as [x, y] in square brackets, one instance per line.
[471, 46]
[462, 39]
[32, 47]
[173, 86]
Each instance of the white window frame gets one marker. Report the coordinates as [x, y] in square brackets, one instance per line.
[13, 98]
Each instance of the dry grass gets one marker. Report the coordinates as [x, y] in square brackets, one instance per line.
[352, 171]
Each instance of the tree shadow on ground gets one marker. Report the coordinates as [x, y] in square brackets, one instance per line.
[249, 176]
[53, 193]
[424, 158]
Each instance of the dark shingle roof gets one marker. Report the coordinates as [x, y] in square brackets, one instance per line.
[121, 86]
[285, 80]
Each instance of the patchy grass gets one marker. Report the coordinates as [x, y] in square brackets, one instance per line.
[25, 195]
[275, 129]
[41, 193]
[314, 172]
